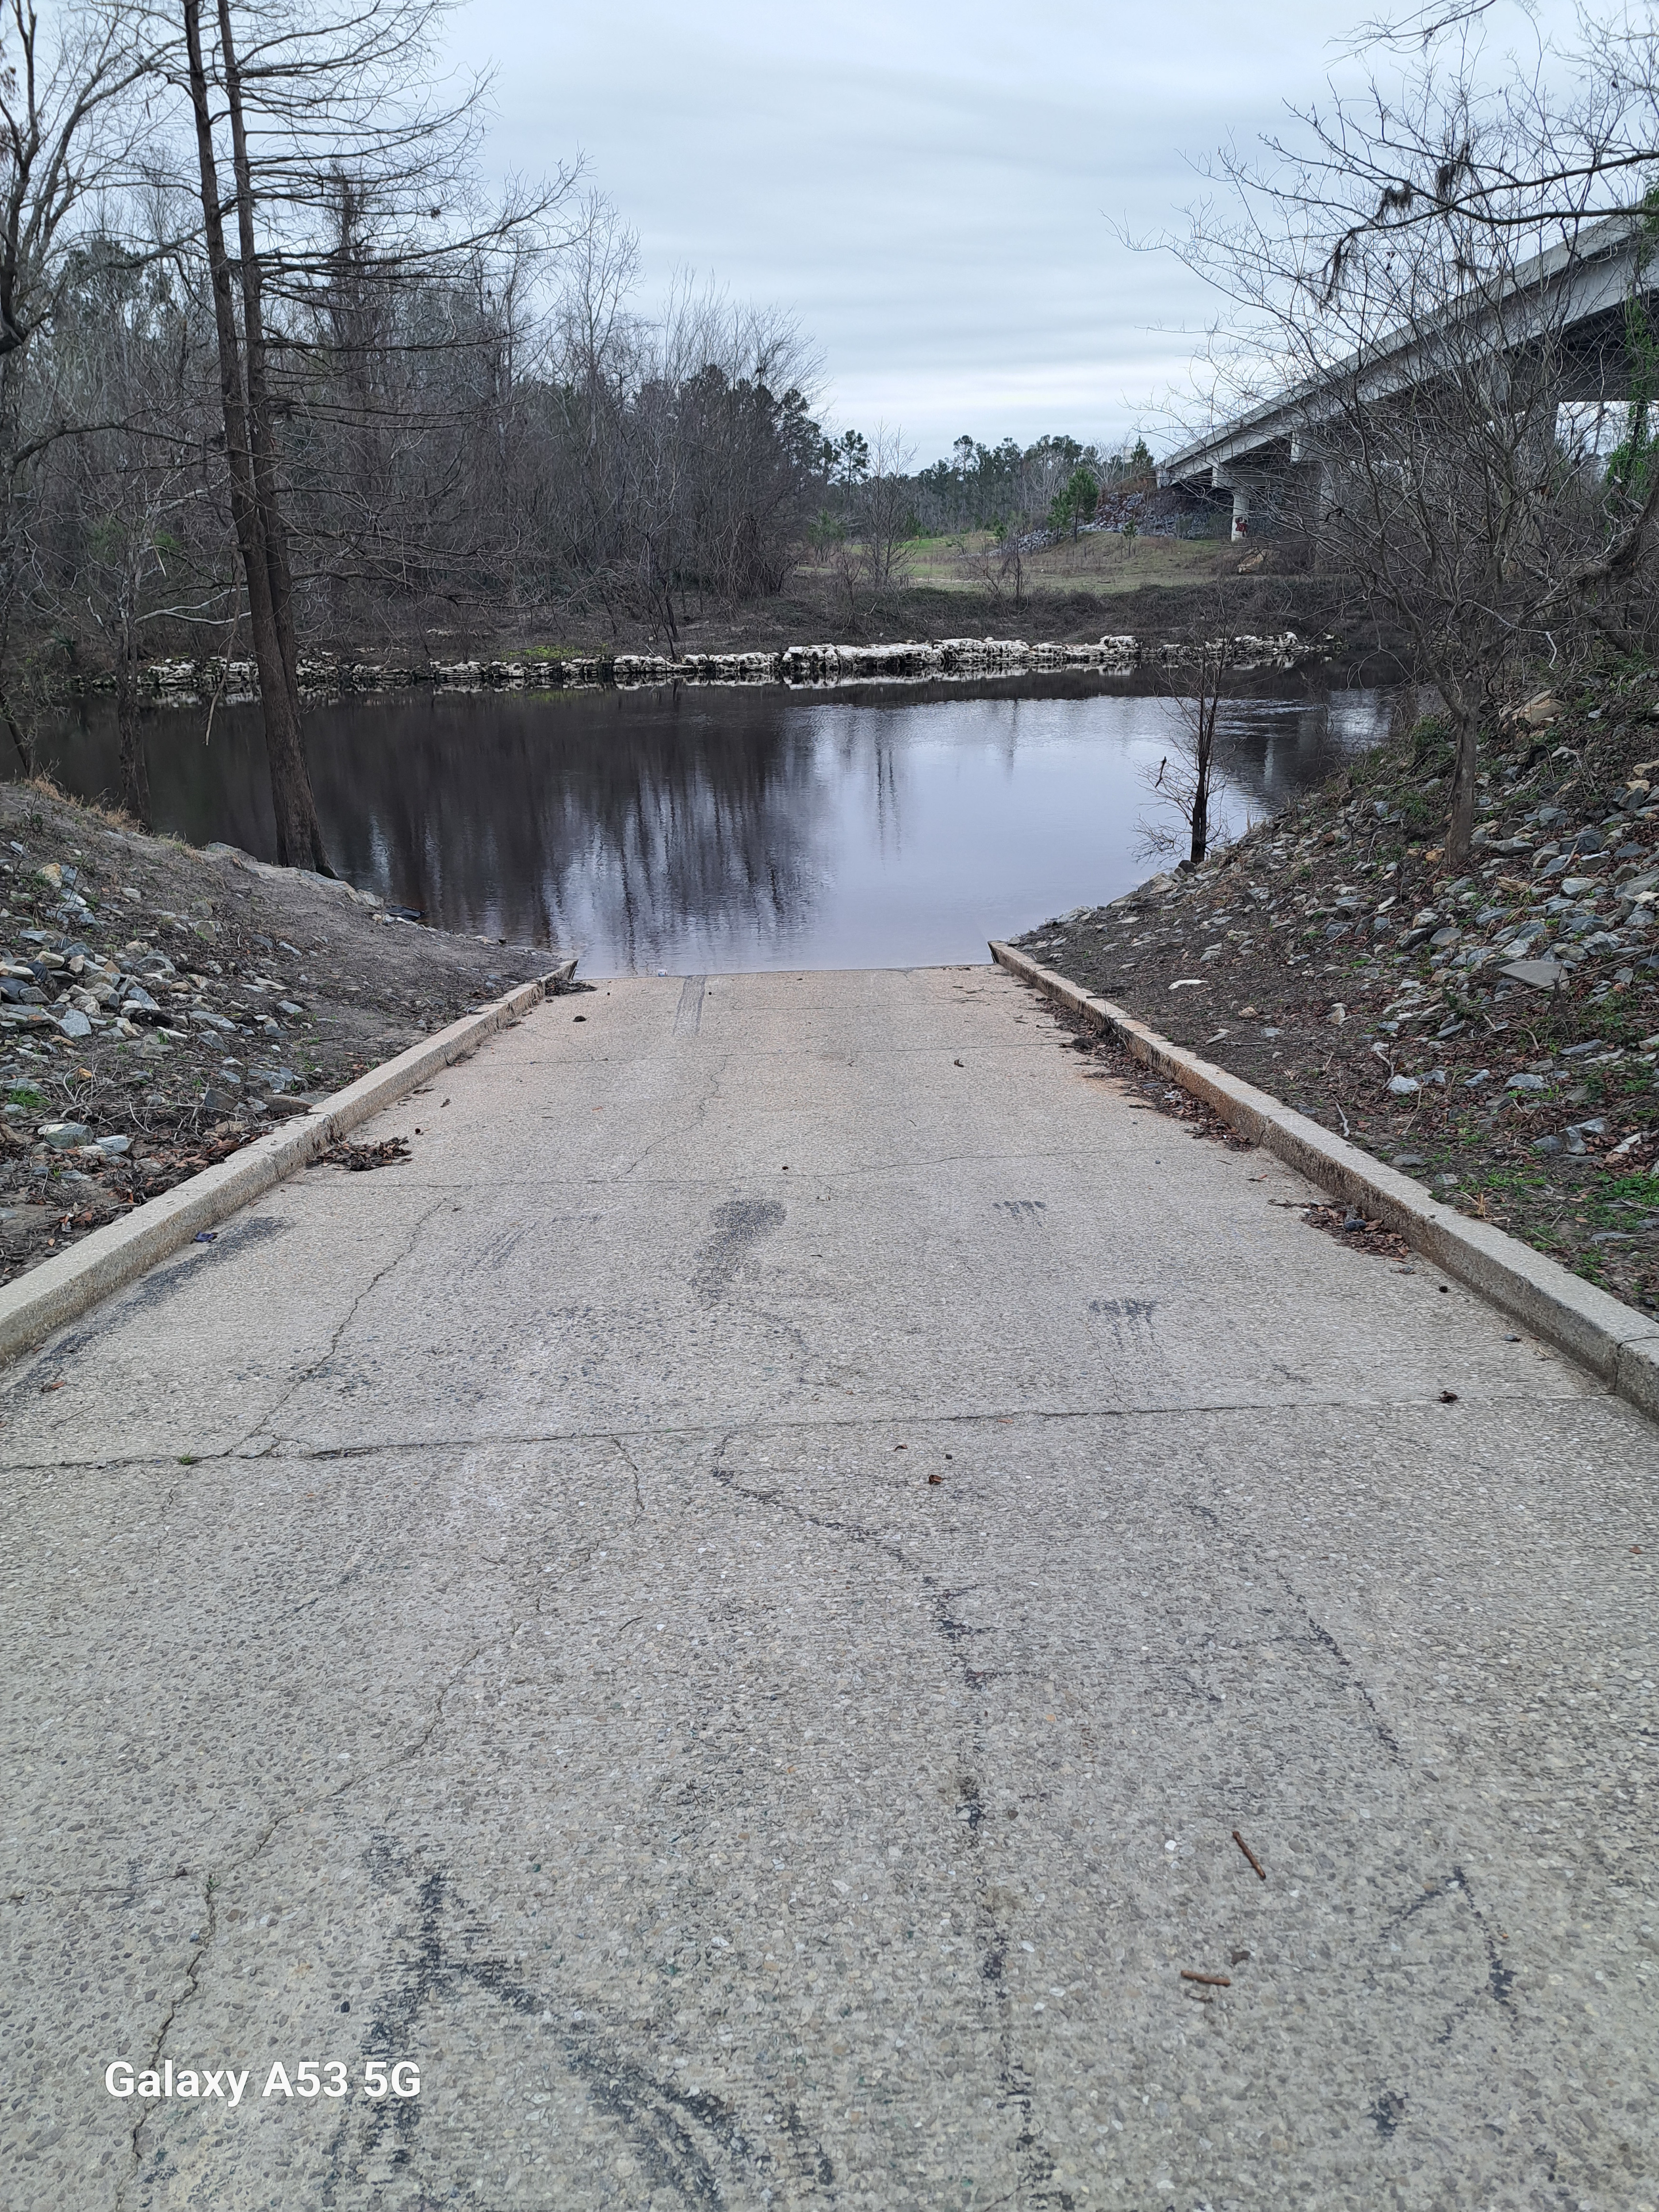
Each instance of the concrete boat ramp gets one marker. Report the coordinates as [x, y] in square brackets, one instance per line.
[749, 1616]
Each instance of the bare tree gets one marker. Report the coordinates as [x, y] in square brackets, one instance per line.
[399, 431]
[129, 532]
[871, 514]
[679, 455]
[1186, 779]
[885, 511]
[1419, 365]
[269, 81]
[70, 127]
[1570, 132]
[243, 398]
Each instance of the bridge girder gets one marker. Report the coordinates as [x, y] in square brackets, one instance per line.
[1576, 295]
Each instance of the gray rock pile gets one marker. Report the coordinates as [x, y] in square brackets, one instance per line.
[183, 682]
[56, 982]
[1499, 1025]
[161, 1006]
[1545, 901]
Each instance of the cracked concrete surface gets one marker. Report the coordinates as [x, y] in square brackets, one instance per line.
[498, 1613]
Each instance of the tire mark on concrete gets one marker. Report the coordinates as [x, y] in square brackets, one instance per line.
[1500, 1977]
[1314, 1633]
[666, 2126]
[739, 1226]
[204, 1948]
[1035, 2164]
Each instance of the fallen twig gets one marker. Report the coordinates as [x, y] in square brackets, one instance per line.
[1249, 1855]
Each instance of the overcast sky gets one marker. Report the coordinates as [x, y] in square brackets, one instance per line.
[930, 187]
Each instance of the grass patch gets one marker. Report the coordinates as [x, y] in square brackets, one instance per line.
[1642, 1190]
[1519, 1182]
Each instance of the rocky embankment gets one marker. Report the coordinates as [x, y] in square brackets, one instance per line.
[161, 1006]
[1493, 1029]
[189, 682]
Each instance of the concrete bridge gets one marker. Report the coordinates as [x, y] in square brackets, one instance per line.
[1561, 317]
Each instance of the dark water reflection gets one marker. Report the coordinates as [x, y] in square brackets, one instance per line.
[726, 830]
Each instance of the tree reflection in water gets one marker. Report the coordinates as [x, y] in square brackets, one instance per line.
[730, 829]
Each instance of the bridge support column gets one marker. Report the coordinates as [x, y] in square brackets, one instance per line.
[1248, 488]
[1311, 500]
[1540, 413]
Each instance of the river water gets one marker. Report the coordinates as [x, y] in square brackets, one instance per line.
[691, 830]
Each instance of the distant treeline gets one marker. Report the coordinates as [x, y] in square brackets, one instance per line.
[481, 438]
[1058, 483]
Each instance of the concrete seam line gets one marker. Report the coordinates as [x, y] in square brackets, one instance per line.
[1620, 1345]
[61, 1289]
[1637, 1376]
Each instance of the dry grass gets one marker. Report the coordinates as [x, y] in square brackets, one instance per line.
[112, 817]
[1104, 565]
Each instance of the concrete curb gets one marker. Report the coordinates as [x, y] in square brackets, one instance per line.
[1618, 1344]
[62, 1289]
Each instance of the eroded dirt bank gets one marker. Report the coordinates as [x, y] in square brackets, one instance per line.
[1494, 1030]
[161, 1006]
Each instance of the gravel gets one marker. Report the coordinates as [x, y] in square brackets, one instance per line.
[1500, 1023]
[162, 1006]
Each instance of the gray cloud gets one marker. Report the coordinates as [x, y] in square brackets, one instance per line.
[929, 187]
